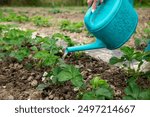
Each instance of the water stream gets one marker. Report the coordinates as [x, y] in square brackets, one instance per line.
[65, 54]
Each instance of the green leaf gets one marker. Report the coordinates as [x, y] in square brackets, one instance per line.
[89, 96]
[145, 95]
[138, 56]
[71, 73]
[41, 54]
[2, 55]
[133, 90]
[104, 92]
[147, 56]
[127, 50]
[34, 48]
[20, 54]
[77, 81]
[64, 76]
[55, 72]
[98, 82]
[128, 98]
[50, 60]
[137, 42]
[114, 60]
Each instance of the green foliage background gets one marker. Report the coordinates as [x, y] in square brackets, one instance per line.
[56, 2]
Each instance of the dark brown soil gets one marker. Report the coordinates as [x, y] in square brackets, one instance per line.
[17, 81]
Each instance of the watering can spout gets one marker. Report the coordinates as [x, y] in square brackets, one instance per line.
[95, 45]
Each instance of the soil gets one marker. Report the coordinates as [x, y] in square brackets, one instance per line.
[19, 80]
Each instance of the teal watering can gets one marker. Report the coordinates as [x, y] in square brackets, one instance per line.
[112, 23]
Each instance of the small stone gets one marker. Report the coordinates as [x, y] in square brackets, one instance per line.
[76, 89]
[89, 70]
[30, 56]
[30, 78]
[4, 87]
[20, 66]
[61, 98]
[15, 65]
[77, 66]
[84, 72]
[10, 97]
[34, 83]
[26, 93]
[113, 87]
[56, 98]
[51, 97]
[35, 96]
[67, 96]
[118, 92]
[45, 74]
[32, 74]
[23, 78]
[88, 89]
[38, 77]
[11, 65]
[46, 98]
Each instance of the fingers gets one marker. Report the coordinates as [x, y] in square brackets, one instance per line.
[94, 5]
[101, 1]
[89, 2]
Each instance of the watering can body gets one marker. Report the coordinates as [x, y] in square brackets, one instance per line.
[112, 23]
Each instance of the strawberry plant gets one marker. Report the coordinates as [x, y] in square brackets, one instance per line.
[59, 36]
[12, 16]
[66, 25]
[100, 90]
[41, 21]
[20, 54]
[129, 57]
[55, 11]
[45, 58]
[48, 52]
[14, 43]
[65, 73]
[134, 92]
[61, 73]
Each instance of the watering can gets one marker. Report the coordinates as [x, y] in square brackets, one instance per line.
[112, 23]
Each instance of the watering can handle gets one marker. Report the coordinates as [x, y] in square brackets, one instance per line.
[97, 4]
[130, 1]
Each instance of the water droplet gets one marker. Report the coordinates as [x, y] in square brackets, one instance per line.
[65, 54]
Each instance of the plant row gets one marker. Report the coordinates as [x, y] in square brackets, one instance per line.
[20, 45]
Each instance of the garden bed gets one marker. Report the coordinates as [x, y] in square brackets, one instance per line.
[25, 73]
[18, 81]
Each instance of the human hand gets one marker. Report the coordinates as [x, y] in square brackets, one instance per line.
[93, 3]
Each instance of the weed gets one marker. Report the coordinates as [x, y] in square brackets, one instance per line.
[66, 25]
